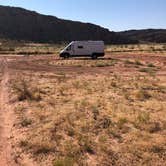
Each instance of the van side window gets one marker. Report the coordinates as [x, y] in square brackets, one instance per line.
[80, 47]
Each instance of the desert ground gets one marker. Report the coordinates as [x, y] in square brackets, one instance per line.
[105, 112]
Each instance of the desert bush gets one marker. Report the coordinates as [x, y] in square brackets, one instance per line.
[77, 84]
[143, 117]
[103, 64]
[26, 122]
[70, 131]
[103, 139]
[104, 122]
[151, 65]
[33, 52]
[86, 144]
[82, 105]
[137, 62]
[142, 95]
[61, 77]
[7, 49]
[114, 84]
[95, 112]
[151, 71]
[62, 90]
[132, 47]
[128, 62]
[11, 49]
[19, 108]
[152, 48]
[164, 47]
[25, 91]
[42, 148]
[23, 143]
[121, 122]
[157, 149]
[161, 89]
[100, 65]
[115, 133]
[155, 127]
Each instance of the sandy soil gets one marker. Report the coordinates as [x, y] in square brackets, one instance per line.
[10, 65]
[7, 121]
[6, 118]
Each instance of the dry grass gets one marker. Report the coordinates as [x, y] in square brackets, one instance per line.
[29, 48]
[41, 49]
[90, 119]
[150, 48]
[85, 63]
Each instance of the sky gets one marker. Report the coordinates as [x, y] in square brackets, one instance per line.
[116, 15]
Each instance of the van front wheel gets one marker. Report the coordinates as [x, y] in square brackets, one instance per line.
[94, 56]
[66, 56]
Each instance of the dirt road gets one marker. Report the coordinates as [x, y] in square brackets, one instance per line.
[6, 118]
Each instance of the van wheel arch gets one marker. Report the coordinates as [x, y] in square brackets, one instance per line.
[94, 56]
[66, 55]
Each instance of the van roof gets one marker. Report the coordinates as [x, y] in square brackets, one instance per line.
[88, 41]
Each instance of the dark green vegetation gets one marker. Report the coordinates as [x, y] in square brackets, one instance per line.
[21, 24]
[147, 35]
[24, 25]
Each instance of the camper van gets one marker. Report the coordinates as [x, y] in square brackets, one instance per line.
[93, 49]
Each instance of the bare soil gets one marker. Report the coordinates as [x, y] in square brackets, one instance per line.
[6, 117]
[11, 67]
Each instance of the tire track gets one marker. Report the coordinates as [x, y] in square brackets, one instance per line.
[6, 124]
[7, 119]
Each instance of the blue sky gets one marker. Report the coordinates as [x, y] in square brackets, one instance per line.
[116, 15]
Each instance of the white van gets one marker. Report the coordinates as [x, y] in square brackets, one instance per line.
[93, 49]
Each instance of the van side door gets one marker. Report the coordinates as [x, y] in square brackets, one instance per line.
[81, 49]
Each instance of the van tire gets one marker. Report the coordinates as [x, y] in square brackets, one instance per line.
[94, 56]
[66, 56]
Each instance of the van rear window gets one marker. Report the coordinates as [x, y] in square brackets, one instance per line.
[80, 47]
